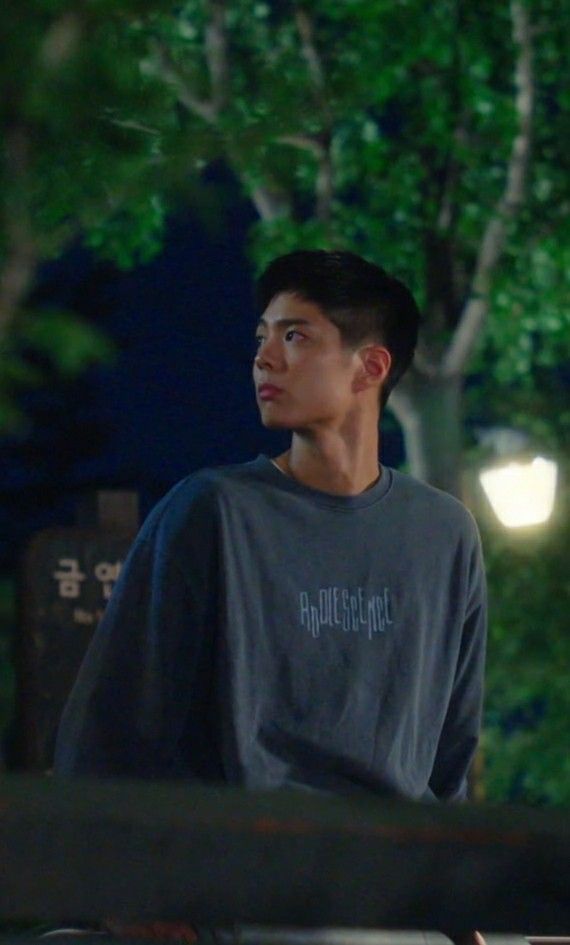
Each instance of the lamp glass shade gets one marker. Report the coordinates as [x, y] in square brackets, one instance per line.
[521, 493]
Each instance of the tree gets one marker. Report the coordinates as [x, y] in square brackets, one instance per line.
[429, 138]
[72, 167]
[404, 132]
[400, 131]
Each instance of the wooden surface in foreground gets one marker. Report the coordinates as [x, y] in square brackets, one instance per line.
[75, 850]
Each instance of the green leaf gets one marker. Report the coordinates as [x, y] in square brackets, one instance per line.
[71, 343]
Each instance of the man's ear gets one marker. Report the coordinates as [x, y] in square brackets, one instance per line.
[375, 367]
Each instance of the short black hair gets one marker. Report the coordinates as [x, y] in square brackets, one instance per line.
[360, 298]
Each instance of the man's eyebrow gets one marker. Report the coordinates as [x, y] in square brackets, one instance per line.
[284, 322]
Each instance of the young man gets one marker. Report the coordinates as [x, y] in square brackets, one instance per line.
[314, 620]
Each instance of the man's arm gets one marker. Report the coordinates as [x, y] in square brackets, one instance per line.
[460, 732]
[144, 680]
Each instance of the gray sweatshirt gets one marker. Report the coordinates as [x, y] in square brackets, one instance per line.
[267, 634]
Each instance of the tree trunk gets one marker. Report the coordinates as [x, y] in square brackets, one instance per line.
[429, 410]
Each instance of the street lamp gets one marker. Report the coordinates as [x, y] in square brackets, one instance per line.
[520, 489]
[521, 493]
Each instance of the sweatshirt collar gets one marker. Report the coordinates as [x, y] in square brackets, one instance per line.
[271, 473]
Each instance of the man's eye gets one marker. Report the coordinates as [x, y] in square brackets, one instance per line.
[292, 331]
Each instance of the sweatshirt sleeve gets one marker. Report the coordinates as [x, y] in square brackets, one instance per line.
[137, 706]
[460, 732]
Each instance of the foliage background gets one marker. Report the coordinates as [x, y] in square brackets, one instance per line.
[144, 114]
[525, 756]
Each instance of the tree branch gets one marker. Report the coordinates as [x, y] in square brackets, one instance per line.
[324, 185]
[61, 40]
[304, 143]
[216, 46]
[447, 207]
[312, 58]
[424, 362]
[17, 273]
[268, 200]
[170, 73]
[216, 52]
[58, 45]
[132, 125]
[494, 237]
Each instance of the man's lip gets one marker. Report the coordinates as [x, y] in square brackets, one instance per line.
[268, 388]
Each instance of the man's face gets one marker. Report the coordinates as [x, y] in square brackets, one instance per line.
[300, 351]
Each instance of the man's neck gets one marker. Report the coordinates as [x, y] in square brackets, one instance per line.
[335, 475]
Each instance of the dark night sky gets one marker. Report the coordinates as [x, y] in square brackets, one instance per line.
[180, 396]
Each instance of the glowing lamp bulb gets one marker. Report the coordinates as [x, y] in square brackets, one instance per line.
[521, 493]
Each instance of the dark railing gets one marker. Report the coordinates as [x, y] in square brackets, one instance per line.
[283, 867]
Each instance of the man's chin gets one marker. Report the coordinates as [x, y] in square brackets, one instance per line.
[273, 423]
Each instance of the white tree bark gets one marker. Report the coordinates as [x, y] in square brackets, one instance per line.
[427, 402]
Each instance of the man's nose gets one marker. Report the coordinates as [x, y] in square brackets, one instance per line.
[267, 352]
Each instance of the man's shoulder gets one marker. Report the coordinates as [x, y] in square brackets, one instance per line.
[193, 499]
[430, 504]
